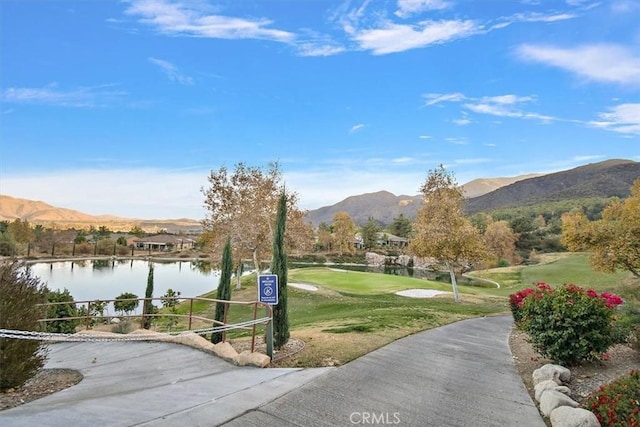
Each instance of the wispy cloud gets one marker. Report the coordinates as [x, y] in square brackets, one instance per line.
[502, 106]
[390, 37]
[171, 71]
[407, 8]
[319, 49]
[623, 118]
[607, 63]
[199, 20]
[424, 137]
[84, 96]
[356, 128]
[435, 98]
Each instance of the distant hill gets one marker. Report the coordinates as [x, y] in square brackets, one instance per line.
[384, 206]
[37, 212]
[611, 178]
[482, 186]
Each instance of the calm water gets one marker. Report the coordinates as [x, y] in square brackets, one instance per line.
[106, 279]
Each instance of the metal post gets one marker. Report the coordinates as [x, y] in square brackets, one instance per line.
[190, 311]
[253, 334]
[269, 333]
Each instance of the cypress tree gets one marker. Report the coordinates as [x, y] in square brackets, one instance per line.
[279, 268]
[148, 304]
[224, 289]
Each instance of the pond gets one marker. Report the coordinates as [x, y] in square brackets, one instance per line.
[108, 278]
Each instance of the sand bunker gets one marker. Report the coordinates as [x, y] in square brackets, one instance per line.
[303, 286]
[420, 293]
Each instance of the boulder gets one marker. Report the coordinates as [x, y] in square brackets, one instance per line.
[565, 416]
[247, 358]
[552, 399]
[541, 387]
[226, 352]
[557, 373]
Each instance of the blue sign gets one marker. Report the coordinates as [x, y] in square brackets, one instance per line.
[268, 289]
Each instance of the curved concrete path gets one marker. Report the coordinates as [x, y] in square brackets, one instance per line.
[456, 375]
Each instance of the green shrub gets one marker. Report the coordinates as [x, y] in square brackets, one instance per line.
[617, 403]
[569, 324]
[61, 311]
[126, 303]
[19, 295]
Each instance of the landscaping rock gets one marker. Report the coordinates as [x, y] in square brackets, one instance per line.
[226, 352]
[246, 358]
[549, 385]
[552, 399]
[557, 373]
[565, 416]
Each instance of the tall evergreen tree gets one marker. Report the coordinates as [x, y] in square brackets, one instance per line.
[224, 289]
[279, 268]
[148, 304]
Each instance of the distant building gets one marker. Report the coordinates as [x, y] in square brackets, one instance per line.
[164, 242]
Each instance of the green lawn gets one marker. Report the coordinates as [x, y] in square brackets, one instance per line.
[360, 282]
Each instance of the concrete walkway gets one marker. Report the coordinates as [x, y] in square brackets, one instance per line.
[457, 375]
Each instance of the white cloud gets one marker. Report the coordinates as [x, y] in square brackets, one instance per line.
[172, 72]
[462, 122]
[435, 98]
[356, 128]
[313, 49]
[407, 8]
[87, 96]
[424, 137]
[607, 63]
[623, 118]
[198, 20]
[391, 38]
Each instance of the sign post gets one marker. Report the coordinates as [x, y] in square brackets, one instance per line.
[268, 294]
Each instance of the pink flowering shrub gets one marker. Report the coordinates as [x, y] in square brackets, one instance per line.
[567, 324]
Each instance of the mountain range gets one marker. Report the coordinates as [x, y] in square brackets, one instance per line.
[604, 179]
[610, 178]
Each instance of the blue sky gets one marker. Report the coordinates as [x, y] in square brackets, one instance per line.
[124, 107]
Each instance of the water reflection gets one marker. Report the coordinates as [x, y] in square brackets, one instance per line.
[108, 278]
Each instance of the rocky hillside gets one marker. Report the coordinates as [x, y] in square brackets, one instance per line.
[384, 206]
[611, 178]
[604, 179]
[38, 212]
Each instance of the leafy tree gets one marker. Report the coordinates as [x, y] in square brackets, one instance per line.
[401, 226]
[122, 241]
[369, 232]
[126, 303]
[325, 236]
[500, 241]
[614, 240]
[441, 230]
[21, 231]
[242, 205]
[20, 294]
[344, 231]
[147, 308]
[4, 224]
[81, 237]
[64, 309]
[170, 300]
[136, 231]
[279, 268]
[224, 291]
[7, 245]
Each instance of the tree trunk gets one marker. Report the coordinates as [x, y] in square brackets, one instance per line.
[454, 283]
[239, 276]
